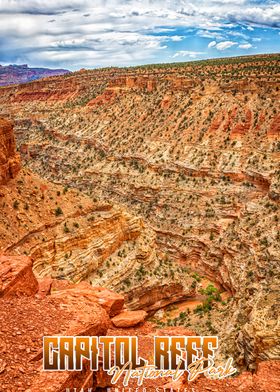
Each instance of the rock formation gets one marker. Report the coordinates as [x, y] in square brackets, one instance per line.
[9, 158]
[69, 237]
[129, 318]
[17, 277]
[181, 163]
[30, 318]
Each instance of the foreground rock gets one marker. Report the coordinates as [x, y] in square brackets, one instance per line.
[29, 320]
[128, 319]
[107, 299]
[25, 320]
[44, 287]
[17, 277]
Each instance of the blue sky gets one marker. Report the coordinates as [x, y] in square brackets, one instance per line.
[76, 34]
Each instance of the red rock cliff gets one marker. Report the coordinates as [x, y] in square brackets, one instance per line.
[9, 159]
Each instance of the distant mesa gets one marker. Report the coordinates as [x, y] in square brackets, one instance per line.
[18, 74]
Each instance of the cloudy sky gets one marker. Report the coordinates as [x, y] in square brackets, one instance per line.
[74, 34]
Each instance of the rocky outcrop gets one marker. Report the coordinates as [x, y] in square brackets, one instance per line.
[274, 130]
[241, 129]
[143, 82]
[110, 301]
[182, 83]
[259, 339]
[76, 254]
[30, 318]
[17, 277]
[9, 159]
[128, 319]
[153, 297]
[107, 98]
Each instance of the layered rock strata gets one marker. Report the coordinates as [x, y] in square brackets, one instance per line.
[9, 158]
[195, 152]
[70, 237]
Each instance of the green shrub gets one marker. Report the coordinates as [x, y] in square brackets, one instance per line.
[58, 211]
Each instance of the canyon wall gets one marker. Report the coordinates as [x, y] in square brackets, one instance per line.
[9, 159]
[194, 150]
[70, 237]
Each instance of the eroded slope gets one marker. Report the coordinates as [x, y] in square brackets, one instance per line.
[69, 236]
[194, 150]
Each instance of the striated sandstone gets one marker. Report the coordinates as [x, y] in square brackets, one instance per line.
[69, 237]
[153, 297]
[274, 130]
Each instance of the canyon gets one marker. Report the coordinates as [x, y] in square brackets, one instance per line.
[154, 183]
[69, 236]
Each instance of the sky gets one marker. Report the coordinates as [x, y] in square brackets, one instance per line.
[76, 34]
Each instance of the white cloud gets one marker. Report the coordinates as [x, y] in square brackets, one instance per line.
[263, 15]
[57, 33]
[216, 35]
[176, 38]
[238, 34]
[225, 45]
[187, 53]
[212, 44]
[245, 46]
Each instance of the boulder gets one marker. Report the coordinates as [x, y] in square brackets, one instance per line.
[129, 318]
[107, 299]
[62, 284]
[16, 276]
[45, 285]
